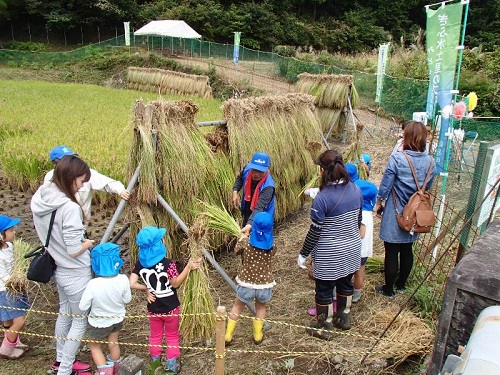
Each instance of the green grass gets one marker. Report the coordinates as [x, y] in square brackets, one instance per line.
[95, 121]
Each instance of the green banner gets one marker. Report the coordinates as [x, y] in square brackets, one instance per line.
[443, 35]
[236, 50]
[383, 53]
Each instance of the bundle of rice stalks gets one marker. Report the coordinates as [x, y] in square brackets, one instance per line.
[219, 219]
[17, 283]
[168, 82]
[374, 265]
[284, 127]
[177, 162]
[330, 90]
[198, 319]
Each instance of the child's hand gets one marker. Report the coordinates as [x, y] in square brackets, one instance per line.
[150, 296]
[194, 264]
[87, 244]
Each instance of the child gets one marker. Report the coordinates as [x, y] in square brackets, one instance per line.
[369, 191]
[255, 279]
[12, 347]
[106, 295]
[161, 280]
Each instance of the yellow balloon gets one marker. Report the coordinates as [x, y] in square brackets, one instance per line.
[472, 101]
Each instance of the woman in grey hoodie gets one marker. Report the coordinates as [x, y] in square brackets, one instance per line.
[71, 254]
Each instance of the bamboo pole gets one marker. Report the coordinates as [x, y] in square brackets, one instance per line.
[220, 344]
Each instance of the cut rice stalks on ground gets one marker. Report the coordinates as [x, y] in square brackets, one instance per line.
[198, 319]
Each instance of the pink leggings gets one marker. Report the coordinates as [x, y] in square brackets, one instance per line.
[158, 325]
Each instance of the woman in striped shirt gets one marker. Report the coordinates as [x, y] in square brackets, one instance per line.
[334, 243]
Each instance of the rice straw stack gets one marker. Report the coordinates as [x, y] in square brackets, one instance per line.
[198, 319]
[178, 163]
[283, 126]
[168, 82]
[331, 92]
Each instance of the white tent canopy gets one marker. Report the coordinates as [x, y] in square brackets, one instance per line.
[173, 28]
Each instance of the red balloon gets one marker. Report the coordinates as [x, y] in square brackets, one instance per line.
[460, 109]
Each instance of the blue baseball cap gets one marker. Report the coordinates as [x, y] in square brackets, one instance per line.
[352, 170]
[7, 222]
[106, 259]
[260, 162]
[59, 151]
[151, 247]
[261, 235]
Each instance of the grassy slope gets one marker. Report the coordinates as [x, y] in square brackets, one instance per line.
[93, 120]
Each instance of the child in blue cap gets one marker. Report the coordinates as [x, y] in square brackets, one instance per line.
[369, 191]
[106, 296]
[12, 319]
[255, 279]
[160, 279]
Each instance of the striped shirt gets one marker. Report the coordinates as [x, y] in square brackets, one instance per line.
[333, 239]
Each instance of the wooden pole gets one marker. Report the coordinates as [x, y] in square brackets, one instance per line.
[220, 344]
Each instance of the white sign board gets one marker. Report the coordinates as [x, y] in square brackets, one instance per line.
[420, 116]
[491, 173]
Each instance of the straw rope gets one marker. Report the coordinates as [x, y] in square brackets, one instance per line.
[205, 349]
[345, 333]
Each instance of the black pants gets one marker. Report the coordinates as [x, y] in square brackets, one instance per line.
[324, 289]
[397, 256]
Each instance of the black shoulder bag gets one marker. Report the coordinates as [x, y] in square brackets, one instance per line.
[42, 266]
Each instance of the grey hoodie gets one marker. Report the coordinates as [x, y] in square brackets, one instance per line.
[67, 231]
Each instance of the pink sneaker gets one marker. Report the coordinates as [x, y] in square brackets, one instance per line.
[80, 366]
[312, 311]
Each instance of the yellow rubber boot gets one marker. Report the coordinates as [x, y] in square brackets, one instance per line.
[231, 325]
[258, 336]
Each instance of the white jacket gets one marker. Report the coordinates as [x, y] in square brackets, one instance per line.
[97, 182]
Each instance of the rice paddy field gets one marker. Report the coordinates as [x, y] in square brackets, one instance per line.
[98, 123]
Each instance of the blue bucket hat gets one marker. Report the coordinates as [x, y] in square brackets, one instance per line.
[365, 158]
[106, 259]
[7, 222]
[261, 235]
[352, 170]
[260, 162]
[59, 151]
[151, 247]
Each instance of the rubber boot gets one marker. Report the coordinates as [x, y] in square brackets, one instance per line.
[258, 335]
[104, 370]
[231, 325]
[9, 350]
[116, 364]
[173, 365]
[321, 316]
[342, 318]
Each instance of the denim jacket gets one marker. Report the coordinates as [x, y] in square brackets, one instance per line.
[398, 175]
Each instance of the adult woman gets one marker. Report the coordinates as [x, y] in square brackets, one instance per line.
[258, 187]
[398, 176]
[70, 252]
[334, 242]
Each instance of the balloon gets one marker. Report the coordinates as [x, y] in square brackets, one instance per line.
[460, 109]
[472, 101]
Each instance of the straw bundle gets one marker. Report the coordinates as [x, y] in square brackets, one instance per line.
[168, 82]
[331, 92]
[220, 220]
[17, 283]
[178, 163]
[197, 321]
[283, 126]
